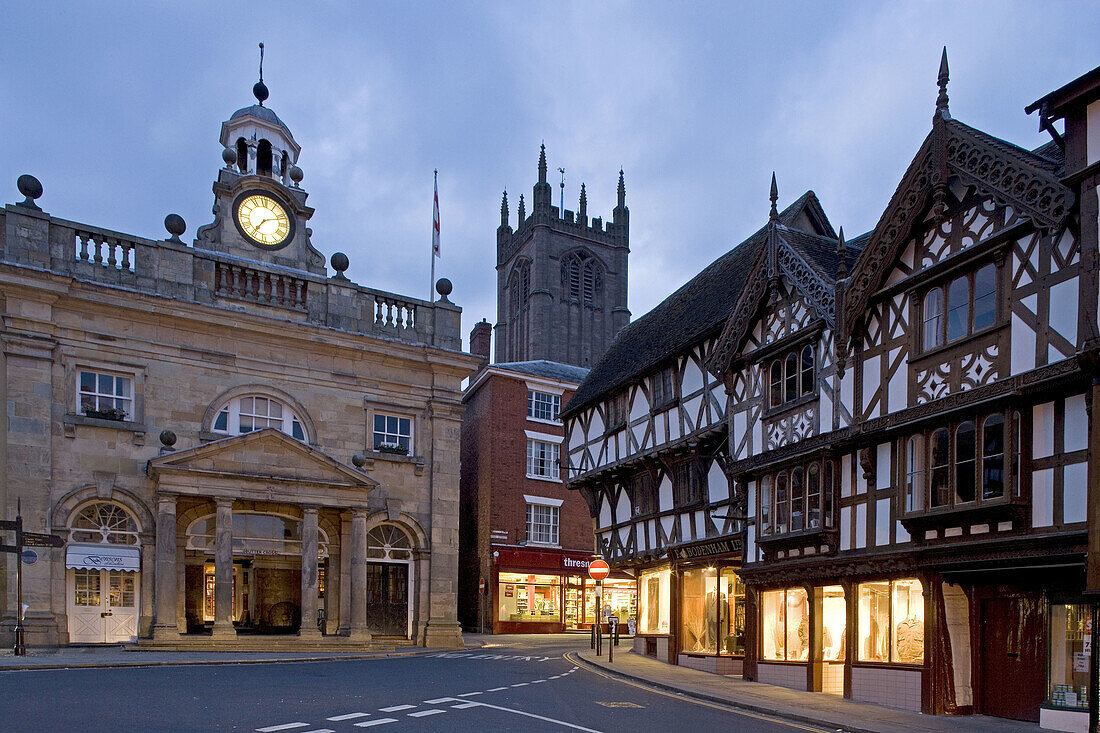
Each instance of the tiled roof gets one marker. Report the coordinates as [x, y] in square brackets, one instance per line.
[695, 311]
[546, 369]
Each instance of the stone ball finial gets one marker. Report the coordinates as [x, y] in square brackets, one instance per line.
[359, 460]
[31, 188]
[259, 90]
[340, 263]
[229, 156]
[443, 287]
[296, 174]
[167, 438]
[175, 225]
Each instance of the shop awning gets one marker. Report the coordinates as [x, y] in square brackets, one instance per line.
[104, 557]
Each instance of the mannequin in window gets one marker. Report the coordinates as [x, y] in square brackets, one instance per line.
[714, 614]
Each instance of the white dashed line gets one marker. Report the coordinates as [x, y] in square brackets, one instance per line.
[371, 723]
[497, 689]
[424, 713]
[439, 700]
[284, 726]
[464, 705]
[535, 682]
[348, 716]
[470, 694]
[396, 708]
[319, 730]
[521, 684]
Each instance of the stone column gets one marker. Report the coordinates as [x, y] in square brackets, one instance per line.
[223, 572]
[359, 575]
[444, 427]
[164, 619]
[309, 574]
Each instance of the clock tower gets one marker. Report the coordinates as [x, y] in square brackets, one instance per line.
[260, 210]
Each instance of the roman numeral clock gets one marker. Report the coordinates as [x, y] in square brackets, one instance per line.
[263, 220]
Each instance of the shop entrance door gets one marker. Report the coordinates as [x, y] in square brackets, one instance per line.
[103, 606]
[1012, 650]
[388, 598]
[830, 628]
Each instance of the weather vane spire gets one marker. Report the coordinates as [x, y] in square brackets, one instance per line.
[259, 89]
[261, 60]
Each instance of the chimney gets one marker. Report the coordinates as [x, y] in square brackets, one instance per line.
[480, 338]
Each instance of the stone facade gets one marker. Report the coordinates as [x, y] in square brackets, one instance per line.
[234, 386]
[561, 279]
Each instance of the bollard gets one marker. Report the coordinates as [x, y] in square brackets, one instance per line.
[616, 634]
[593, 635]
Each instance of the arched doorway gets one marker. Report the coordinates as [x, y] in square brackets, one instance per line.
[102, 576]
[389, 581]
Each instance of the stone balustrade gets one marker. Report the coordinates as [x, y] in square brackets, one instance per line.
[167, 268]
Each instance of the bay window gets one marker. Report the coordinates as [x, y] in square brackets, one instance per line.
[798, 499]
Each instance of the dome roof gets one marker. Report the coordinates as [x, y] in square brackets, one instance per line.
[262, 112]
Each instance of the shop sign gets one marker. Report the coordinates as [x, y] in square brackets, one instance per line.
[726, 546]
[572, 562]
[508, 589]
[108, 557]
[1080, 662]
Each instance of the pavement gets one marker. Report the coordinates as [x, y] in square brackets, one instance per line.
[811, 708]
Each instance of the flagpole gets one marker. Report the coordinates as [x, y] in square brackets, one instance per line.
[435, 236]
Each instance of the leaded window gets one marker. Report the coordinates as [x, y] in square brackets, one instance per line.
[970, 306]
[791, 376]
[797, 499]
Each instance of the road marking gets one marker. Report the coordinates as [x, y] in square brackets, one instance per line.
[396, 708]
[371, 723]
[535, 682]
[532, 715]
[521, 684]
[320, 730]
[470, 694]
[464, 705]
[438, 700]
[498, 689]
[284, 726]
[424, 713]
[348, 716]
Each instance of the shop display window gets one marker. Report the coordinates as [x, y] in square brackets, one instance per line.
[529, 598]
[786, 625]
[713, 612]
[653, 601]
[891, 622]
[834, 621]
[1070, 641]
[621, 598]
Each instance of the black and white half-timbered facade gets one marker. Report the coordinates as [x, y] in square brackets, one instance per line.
[862, 467]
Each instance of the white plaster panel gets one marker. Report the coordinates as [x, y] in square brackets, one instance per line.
[757, 437]
[898, 388]
[750, 543]
[1076, 423]
[882, 522]
[576, 436]
[673, 425]
[846, 528]
[638, 431]
[624, 535]
[1042, 430]
[1023, 346]
[718, 488]
[740, 420]
[664, 495]
[595, 428]
[686, 532]
[666, 525]
[1063, 309]
[651, 530]
[1042, 498]
[693, 378]
[700, 525]
[847, 388]
[622, 508]
[691, 407]
[883, 471]
[605, 513]
[639, 406]
[1092, 134]
[861, 526]
[660, 423]
[846, 475]
[1075, 493]
[901, 535]
[825, 414]
[872, 376]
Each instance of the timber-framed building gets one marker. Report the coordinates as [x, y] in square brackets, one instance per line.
[861, 467]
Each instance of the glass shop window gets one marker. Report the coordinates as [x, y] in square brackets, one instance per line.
[653, 601]
[529, 598]
[1069, 656]
[785, 625]
[713, 612]
[891, 622]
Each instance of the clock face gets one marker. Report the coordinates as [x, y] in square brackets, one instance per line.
[263, 220]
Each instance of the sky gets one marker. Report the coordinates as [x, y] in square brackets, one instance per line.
[116, 108]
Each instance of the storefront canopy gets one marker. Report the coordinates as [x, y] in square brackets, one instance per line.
[103, 557]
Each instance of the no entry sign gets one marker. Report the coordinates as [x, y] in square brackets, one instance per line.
[598, 570]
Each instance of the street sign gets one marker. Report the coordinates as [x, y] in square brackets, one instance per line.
[36, 539]
[9, 525]
[30, 557]
[598, 570]
[481, 585]
[613, 620]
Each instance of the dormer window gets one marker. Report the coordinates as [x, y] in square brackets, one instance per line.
[263, 158]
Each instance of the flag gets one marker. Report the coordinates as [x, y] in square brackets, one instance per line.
[435, 220]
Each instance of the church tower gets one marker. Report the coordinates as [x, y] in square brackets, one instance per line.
[260, 210]
[561, 279]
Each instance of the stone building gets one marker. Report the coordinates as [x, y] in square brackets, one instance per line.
[561, 279]
[866, 467]
[231, 441]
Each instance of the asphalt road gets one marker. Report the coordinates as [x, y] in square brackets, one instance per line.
[524, 684]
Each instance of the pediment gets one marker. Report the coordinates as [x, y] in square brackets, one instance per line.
[263, 455]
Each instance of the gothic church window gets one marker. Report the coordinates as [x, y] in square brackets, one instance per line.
[582, 278]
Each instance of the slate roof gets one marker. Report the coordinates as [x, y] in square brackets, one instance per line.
[546, 369]
[683, 319]
[262, 112]
[820, 252]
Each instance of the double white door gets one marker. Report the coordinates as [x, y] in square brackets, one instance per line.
[103, 606]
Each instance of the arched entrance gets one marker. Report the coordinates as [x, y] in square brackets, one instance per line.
[102, 576]
[389, 581]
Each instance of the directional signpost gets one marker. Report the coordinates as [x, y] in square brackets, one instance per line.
[24, 539]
